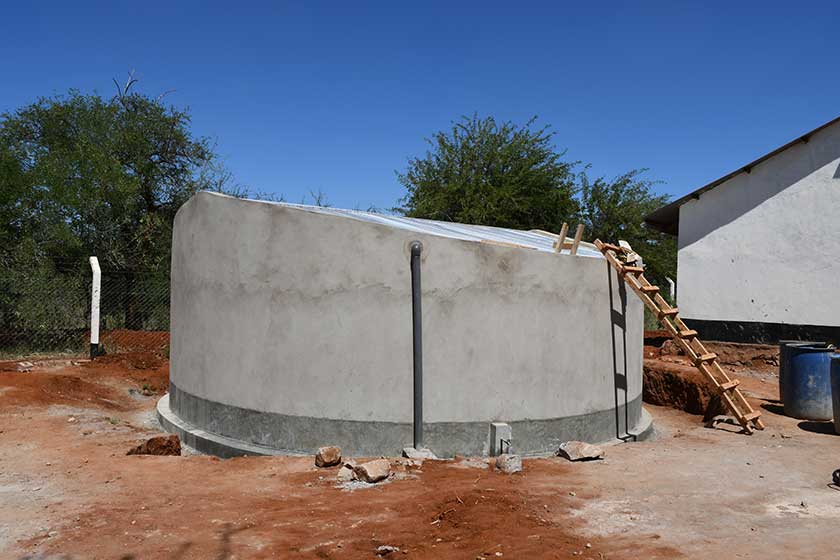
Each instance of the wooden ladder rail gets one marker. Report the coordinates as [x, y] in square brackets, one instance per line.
[685, 337]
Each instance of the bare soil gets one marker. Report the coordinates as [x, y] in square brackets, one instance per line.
[67, 487]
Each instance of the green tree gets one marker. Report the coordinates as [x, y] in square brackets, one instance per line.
[85, 175]
[484, 172]
[614, 210]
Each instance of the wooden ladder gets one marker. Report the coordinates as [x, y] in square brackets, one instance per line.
[623, 260]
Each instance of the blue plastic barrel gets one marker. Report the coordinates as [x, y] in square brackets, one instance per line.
[835, 390]
[784, 359]
[807, 386]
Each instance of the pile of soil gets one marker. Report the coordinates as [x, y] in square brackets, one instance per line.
[124, 340]
[755, 356]
[67, 388]
[149, 371]
[158, 445]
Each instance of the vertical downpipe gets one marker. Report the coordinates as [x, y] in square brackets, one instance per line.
[417, 328]
[94, 307]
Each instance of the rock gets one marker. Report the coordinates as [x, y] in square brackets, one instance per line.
[25, 366]
[159, 445]
[329, 456]
[579, 451]
[373, 471]
[345, 473]
[721, 419]
[419, 454]
[385, 550]
[509, 464]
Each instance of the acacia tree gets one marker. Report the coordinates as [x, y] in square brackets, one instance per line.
[86, 175]
[489, 173]
[483, 172]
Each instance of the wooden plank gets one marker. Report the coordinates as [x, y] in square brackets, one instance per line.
[578, 237]
[632, 269]
[561, 239]
[685, 337]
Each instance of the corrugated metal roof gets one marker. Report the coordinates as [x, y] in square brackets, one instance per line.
[466, 232]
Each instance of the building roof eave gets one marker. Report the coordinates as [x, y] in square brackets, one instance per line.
[666, 219]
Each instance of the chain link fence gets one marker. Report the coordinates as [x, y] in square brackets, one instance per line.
[45, 308]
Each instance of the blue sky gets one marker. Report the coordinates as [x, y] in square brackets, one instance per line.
[335, 96]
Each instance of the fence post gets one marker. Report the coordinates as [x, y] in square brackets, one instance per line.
[94, 307]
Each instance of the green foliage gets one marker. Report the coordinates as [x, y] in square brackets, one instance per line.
[613, 210]
[484, 172]
[84, 175]
[505, 175]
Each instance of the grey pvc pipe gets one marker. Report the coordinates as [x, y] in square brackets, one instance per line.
[417, 329]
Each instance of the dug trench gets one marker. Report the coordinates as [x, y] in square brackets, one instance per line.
[671, 380]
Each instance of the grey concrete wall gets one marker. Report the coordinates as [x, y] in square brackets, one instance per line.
[759, 247]
[302, 314]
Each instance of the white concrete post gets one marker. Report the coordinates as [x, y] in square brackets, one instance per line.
[94, 307]
[672, 289]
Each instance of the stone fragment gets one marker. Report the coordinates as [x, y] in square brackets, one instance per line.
[385, 550]
[373, 471]
[25, 366]
[328, 456]
[721, 419]
[420, 454]
[159, 445]
[345, 473]
[509, 464]
[579, 451]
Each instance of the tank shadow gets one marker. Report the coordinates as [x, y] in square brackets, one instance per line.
[817, 427]
[773, 408]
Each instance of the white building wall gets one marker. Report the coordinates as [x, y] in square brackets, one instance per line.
[762, 247]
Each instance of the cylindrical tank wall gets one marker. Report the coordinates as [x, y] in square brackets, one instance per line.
[293, 329]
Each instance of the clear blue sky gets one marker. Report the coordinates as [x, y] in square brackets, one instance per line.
[337, 95]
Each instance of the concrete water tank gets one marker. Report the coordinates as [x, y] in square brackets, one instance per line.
[291, 328]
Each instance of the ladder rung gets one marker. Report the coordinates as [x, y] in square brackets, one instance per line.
[632, 270]
[706, 357]
[750, 416]
[650, 289]
[611, 247]
[729, 385]
[688, 333]
[669, 312]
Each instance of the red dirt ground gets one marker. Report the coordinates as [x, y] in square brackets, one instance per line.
[67, 487]
[93, 501]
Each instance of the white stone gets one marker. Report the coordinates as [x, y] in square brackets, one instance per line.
[509, 464]
[579, 451]
[373, 471]
[419, 454]
[345, 473]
